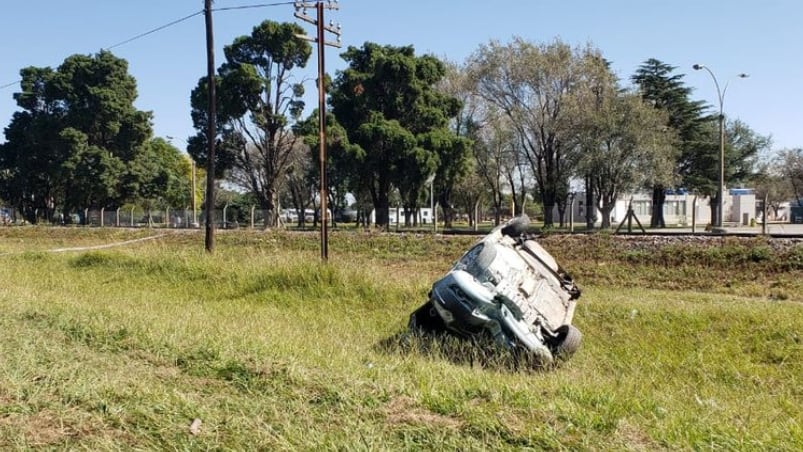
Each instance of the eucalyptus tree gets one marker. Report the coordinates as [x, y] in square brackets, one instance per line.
[496, 158]
[71, 144]
[773, 183]
[397, 122]
[470, 193]
[626, 145]
[257, 102]
[298, 190]
[457, 83]
[664, 89]
[532, 84]
[789, 166]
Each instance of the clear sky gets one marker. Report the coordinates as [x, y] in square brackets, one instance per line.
[762, 38]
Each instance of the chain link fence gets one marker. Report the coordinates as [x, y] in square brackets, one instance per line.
[137, 217]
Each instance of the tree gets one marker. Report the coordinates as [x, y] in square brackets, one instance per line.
[743, 147]
[665, 90]
[341, 167]
[470, 193]
[625, 146]
[73, 140]
[396, 120]
[789, 165]
[495, 156]
[532, 85]
[160, 177]
[772, 182]
[452, 163]
[256, 104]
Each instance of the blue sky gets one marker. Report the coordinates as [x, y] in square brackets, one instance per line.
[730, 37]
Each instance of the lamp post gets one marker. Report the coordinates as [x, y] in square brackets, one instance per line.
[721, 97]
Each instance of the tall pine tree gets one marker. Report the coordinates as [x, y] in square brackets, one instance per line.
[665, 90]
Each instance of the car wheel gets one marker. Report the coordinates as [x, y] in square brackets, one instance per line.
[568, 341]
[426, 319]
[517, 226]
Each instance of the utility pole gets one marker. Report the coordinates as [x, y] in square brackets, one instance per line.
[192, 198]
[718, 221]
[211, 133]
[322, 43]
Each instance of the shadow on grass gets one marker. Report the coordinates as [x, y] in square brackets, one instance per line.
[480, 351]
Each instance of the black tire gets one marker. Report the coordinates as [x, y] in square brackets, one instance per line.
[517, 226]
[568, 341]
[426, 319]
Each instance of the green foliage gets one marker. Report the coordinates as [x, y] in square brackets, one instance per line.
[160, 176]
[789, 167]
[396, 121]
[256, 105]
[625, 147]
[541, 89]
[75, 137]
[343, 170]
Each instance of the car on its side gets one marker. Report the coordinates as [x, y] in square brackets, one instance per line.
[510, 288]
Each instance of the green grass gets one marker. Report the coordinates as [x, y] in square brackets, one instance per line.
[122, 348]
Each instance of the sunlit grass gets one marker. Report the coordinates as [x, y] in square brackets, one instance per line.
[124, 347]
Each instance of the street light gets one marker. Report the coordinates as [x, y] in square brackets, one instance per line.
[721, 98]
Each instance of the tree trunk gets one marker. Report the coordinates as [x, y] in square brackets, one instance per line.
[548, 197]
[658, 200]
[590, 213]
[606, 210]
[715, 213]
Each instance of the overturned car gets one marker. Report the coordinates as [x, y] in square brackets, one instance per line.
[511, 289]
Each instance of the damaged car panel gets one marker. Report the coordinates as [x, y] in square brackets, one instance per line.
[509, 287]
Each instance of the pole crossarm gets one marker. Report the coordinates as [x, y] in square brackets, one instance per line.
[331, 27]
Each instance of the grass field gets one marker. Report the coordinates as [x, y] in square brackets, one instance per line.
[157, 345]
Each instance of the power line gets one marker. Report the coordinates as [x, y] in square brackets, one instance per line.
[260, 5]
[142, 35]
[175, 22]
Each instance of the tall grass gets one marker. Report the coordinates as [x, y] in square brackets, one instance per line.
[125, 347]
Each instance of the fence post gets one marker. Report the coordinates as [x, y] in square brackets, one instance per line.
[253, 209]
[167, 217]
[102, 211]
[86, 217]
[117, 217]
[132, 216]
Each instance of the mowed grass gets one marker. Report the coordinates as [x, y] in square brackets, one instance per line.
[157, 345]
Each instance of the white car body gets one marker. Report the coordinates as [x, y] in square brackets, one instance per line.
[509, 286]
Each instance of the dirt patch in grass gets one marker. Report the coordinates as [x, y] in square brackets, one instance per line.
[404, 410]
[634, 438]
[43, 428]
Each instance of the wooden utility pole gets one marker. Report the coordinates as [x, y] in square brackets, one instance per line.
[322, 43]
[211, 133]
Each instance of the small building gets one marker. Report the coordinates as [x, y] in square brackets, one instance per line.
[680, 208]
[396, 216]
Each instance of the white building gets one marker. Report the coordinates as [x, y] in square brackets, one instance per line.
[680, 208]
[396, 216]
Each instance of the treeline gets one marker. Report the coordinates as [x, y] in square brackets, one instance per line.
[516, 121]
